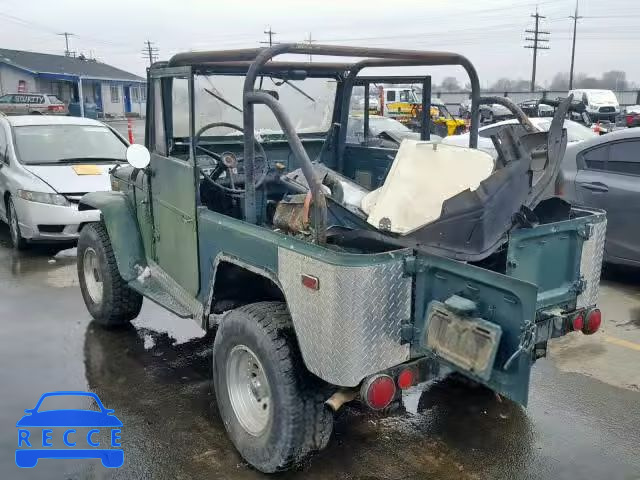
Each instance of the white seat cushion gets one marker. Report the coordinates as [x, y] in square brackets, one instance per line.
[423, 176]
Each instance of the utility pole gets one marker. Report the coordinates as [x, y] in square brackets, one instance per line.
[536, 45]
[310, 41]
[66, 35]
[575, 17]
[150, 52]
[270, 33]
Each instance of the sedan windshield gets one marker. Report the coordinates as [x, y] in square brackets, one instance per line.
[55, 144]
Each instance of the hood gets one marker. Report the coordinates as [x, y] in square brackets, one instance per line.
[76, 178]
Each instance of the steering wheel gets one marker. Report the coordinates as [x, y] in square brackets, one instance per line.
[228, 162]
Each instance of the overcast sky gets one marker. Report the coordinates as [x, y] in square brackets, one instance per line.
[489, 32]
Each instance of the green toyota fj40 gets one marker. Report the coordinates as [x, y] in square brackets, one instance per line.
[331, 271]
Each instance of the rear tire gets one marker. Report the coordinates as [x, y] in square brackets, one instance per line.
[18, 242]
[274, 413]
[108, 298]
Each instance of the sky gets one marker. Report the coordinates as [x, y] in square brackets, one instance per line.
[489, 32]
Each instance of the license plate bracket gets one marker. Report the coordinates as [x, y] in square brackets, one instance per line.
[469, 343]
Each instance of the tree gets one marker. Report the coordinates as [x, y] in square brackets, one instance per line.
[450, 84]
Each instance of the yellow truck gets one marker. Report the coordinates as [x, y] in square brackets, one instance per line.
[404, 104]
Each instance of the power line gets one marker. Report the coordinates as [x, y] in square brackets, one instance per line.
[575, 17]
[536, 45]
[150, 52]
[66, 36]
[270, 34]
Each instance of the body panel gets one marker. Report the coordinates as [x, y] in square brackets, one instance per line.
[120, 220]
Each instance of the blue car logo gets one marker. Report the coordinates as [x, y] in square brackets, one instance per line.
[32, 446]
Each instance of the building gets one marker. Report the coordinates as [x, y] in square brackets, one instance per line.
[115, 92]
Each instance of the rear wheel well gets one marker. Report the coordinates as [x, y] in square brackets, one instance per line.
[235, 286]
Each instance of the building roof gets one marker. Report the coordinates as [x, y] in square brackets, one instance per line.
[32, 120]
[45, 63]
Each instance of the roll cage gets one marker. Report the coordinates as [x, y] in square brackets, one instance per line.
[256, 62]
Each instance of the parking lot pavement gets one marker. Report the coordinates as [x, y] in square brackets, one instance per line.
[582, 422]
[137, 127]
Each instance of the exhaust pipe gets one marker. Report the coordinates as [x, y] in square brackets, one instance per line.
[341, 397]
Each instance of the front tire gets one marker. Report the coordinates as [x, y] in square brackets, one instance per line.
[272, 408]
[108, 298]
[18, 242]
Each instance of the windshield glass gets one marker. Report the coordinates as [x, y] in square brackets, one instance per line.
[602, 96]
[575, 131]
[218, 98]
[49, 144]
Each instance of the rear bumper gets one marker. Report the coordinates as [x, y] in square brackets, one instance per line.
[66, 221]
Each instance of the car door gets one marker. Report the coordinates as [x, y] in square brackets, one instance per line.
[173, 189]
[609, 178]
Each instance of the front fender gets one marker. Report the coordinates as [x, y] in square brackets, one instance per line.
[121, 223]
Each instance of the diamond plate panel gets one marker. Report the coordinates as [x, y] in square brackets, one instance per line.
[591, 263]
[351, 326]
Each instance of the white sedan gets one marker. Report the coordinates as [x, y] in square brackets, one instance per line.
[575, 133]
[46, 164]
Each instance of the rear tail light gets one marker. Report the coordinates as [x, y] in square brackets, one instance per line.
[592, 321]
[55, 108]
[406, 379]
[577, 324]
[378, 391]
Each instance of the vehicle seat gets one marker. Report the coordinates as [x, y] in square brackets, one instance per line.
[423, 176]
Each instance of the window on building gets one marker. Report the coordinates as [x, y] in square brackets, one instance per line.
[143, 93]
[135, 94]
[115, 94]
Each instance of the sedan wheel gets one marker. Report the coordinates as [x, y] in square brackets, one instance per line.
[18, 242]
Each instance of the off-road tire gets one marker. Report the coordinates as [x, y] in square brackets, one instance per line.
[18, 243]
[300, 422]
[120, 304]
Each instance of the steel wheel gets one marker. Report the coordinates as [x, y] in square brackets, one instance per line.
[92, 275]
[248, 390]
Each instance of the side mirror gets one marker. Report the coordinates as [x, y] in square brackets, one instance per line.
[138, 156]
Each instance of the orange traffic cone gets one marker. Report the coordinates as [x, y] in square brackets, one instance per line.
[130, 130]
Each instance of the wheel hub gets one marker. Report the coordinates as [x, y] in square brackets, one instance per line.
[248, 389]
[92, 275]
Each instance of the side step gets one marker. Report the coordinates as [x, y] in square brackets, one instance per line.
[158, 287]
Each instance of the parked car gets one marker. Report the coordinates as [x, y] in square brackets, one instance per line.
[599, 104]
[494, 113]
[32, 104]
[533, 108]
[604, 172]
[575, 133]
[632, 116]
[46, 164]
[381, 129]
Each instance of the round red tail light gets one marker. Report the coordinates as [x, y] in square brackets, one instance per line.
[592, 322]
[378, 391]
[578, 323]
[406, 379]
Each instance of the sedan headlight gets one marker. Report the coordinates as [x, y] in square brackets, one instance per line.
[41, 197]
